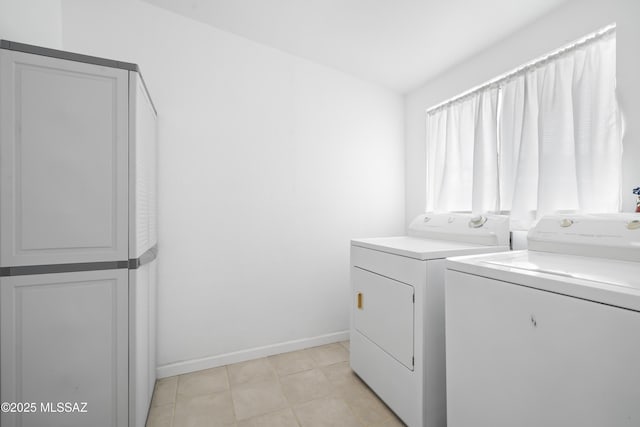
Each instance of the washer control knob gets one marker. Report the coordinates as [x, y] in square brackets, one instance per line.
[566, 222]
[634, 225]
[477, 221]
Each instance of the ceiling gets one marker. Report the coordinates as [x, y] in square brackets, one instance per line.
[396, 43]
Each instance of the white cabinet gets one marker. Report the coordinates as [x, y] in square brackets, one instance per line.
[64, 339]
[77, 237]
[518, 356]
[63, 160]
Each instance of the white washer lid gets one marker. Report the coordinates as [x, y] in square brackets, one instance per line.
[423, 249]
[609, 281]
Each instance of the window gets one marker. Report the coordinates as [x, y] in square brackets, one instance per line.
[545, 138]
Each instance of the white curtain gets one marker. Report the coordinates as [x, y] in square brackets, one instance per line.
[560, 136]
[518, 151]
[485, 196]
[462, 158]
[548, 140]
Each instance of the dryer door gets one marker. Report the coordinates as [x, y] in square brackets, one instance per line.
[384, 313]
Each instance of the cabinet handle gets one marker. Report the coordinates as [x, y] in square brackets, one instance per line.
[360, 300]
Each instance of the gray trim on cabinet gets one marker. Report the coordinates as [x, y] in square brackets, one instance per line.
[61, 54]
[145, 258]
[23, 270]
[131, 264]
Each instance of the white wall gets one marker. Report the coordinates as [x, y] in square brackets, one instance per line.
[567, 23]
[268, 164]
[31, 21]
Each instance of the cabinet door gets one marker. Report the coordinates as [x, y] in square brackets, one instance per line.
[142, 164]
[153, 325]
[518, 356]
[142, 341]
[383, 312]
[64, 339]
[64, 161]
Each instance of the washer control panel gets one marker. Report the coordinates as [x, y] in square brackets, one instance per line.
[599, 235]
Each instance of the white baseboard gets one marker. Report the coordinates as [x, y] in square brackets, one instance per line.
[187, 366]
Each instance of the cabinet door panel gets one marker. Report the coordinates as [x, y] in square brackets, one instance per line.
[143, 161]
[142, 341]
[64, 160]
[153, 324]
[64, 339]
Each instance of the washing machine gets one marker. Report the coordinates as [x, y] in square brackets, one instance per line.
[549, 336]
[397, 319]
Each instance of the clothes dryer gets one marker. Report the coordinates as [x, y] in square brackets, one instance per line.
[397, 332]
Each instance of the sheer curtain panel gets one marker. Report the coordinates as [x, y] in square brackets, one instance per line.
[450, 133]
[485, 195]
[560, 136]
[462, 162]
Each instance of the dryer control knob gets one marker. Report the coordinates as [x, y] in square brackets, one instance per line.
[634, 225]
[477, 221]
[566, 222]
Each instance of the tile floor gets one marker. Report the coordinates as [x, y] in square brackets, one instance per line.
[307, 388]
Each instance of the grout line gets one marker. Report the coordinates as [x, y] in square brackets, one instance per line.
[173, 414]
[233, 404]
[175, 402]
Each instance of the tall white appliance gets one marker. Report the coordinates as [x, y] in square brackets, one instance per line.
[397, 317]
[548, 336]
[78, 240]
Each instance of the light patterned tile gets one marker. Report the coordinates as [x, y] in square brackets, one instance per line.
[318, 382]
[325, 412]
[282, 418]
[351, 391]
[368, 408]
[290, 363]
[305, 386]
[252, 371]
[255, 399]
[210, 410]
[203, 382]
[160, 416]
[165, 391]
[329, 354]
[352, 388]
[345, 382]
